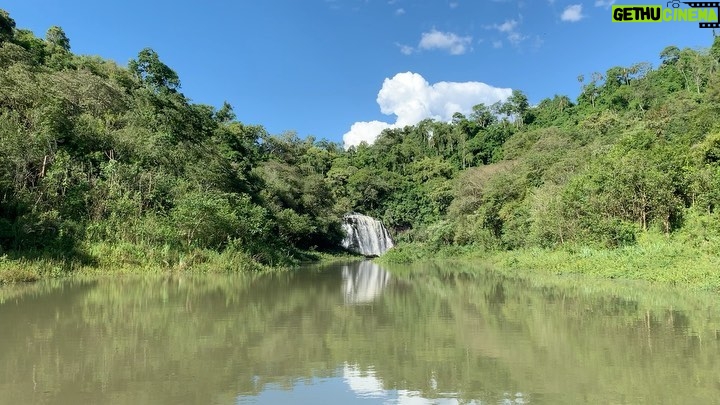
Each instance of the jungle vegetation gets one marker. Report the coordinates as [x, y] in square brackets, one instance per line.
[105, 164]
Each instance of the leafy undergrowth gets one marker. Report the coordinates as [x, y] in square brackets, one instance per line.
[654, 258]
[126, 258]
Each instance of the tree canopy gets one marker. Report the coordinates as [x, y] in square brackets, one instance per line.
[93, 152]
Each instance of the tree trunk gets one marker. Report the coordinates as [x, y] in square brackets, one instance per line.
[42, 171]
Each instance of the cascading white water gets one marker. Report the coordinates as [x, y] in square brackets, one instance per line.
[365, 235]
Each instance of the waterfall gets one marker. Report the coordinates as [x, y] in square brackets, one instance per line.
[365, 235]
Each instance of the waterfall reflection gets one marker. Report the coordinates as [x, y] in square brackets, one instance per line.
[363, 282]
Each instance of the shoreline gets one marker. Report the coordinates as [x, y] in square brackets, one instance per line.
[654, 259]
[102, 259]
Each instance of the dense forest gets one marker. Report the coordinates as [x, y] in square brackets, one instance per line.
[103, 162]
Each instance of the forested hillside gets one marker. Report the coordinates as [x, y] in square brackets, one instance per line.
[102, 162]
[639, 151]
[98, 159]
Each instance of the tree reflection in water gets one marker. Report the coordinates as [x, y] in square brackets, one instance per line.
[352, 333]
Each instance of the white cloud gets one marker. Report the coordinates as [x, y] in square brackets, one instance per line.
[572, 13]
[448, 41]
[509, 28]
[406, 49]
[515, 38]
[364, 132]
[412, 99]
[604, 3]
[454, 4]
[400, 11]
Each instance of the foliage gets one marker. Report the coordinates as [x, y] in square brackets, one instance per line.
[635, 152]
[96, 153]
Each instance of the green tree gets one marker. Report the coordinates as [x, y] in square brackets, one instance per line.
[7, 26]
[150, 70]
[670, 55]
[57, 39]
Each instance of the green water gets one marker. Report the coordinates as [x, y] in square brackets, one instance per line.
[354, 334]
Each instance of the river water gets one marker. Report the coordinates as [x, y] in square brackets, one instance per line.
[355, 333]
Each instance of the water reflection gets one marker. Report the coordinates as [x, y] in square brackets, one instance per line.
[352, 385]
[363, 383]
[295, 338]
[366, 384]
[363, 282]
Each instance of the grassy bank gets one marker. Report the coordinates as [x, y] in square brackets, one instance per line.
[125, 258]
[654, 258]
[100, 259]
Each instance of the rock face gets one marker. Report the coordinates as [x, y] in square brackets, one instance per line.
[365, 235]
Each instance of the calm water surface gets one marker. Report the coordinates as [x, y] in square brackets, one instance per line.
[354, 333]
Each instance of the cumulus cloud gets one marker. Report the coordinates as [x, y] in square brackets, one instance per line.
[572, 13]
[400, 11]
[604, 3]
[510, 29]
[412, 99]
[406, 49]
[447, 41]
[507, 26]
[437, 40]
[364, 132]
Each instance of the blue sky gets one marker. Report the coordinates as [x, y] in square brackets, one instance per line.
[320, 66]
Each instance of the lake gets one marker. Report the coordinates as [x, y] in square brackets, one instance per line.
[356, 333]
